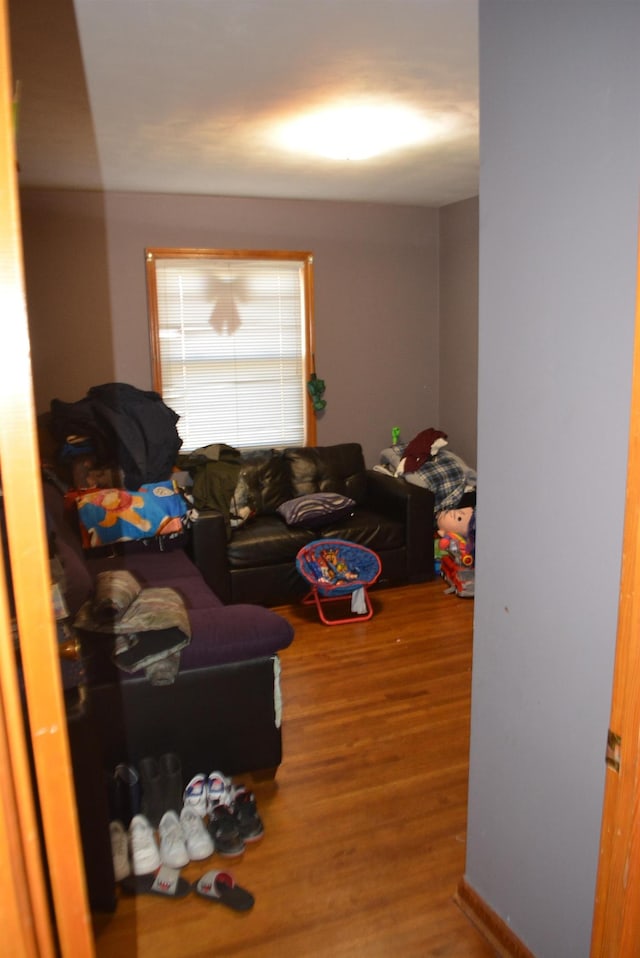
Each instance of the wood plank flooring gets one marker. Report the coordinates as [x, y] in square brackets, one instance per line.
[365, 824]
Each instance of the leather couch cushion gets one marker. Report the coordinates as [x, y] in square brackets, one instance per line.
[368, 529]
[338, 468]
[264, 480]
[267, 540]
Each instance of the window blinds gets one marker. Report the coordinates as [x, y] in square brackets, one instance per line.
[231, 337]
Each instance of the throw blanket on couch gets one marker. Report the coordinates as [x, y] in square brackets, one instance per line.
[150, 625]
[445, 474]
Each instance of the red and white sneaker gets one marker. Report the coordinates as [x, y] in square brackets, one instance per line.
[220, 791]
[195, 794]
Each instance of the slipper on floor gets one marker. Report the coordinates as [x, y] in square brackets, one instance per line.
[166, 882]
[220, 886]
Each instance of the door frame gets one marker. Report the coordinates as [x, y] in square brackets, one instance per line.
[35, 827]
[616, 916]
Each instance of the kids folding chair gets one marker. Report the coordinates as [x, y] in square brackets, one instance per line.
[336, 569]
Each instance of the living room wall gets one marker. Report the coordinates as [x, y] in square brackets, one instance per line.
[376, 296]
[458, 245]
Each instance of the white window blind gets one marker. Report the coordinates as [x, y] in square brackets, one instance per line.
[231, 343]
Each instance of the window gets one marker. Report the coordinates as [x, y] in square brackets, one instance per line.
[231, 340]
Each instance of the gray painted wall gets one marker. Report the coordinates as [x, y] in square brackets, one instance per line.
[376, 296]
[459, 326]
[560, 162]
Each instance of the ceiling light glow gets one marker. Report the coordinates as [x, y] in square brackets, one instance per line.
[357, 131]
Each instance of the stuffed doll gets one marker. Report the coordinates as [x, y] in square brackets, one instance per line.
[456, 544]
[457, 530]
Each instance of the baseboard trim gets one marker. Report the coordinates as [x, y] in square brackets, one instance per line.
[490, 925]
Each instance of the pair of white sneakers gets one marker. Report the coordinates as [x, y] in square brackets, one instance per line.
[181, 839]
[206, 792]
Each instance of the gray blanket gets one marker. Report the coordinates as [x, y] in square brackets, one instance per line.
[150, 625]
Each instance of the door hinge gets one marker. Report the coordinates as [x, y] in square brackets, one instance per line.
[614, 743]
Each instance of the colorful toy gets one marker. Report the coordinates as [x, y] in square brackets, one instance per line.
[456, 547]
[460, 579]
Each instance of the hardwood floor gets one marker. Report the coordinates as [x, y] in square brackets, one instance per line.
[365, 825]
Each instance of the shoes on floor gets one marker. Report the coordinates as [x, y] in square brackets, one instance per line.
[220, 791]
[173, 850]
[195, 794]
[119, 850]
[224, 832]
[232, 813]
[143, 848]
[246, 816]
[196, 837]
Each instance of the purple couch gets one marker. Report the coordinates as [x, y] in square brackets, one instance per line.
[223, 710]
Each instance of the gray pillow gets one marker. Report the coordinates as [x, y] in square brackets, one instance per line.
[316, 509]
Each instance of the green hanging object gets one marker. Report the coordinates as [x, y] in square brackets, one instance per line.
[316, 388]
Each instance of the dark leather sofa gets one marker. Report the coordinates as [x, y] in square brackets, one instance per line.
[256, 562]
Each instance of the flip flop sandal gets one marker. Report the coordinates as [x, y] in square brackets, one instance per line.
[166, 882]
[220, 886]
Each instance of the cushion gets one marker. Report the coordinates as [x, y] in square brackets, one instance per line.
[316, 509]
[120, 515]
[263, 483]
[339, 468]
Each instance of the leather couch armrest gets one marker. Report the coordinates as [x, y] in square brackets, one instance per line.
[209, 552]
[414, 505]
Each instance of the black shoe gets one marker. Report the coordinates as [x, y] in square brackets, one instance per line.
[245, 815]
[224, 832]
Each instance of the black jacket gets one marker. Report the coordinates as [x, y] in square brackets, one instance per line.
[126, 427]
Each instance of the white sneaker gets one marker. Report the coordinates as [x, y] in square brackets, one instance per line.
[195, 794]
[145, 857]
[197, 839]
[173, 851]
[220, 791]
[119, 850]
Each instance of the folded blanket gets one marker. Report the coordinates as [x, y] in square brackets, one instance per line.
[151, 625]
[113, 594]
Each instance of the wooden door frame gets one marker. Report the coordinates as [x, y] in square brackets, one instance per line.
[616, 916]
[30, 926]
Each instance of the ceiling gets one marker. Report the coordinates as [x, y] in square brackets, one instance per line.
[181, 96]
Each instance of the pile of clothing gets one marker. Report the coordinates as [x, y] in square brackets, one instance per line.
[427, 461]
